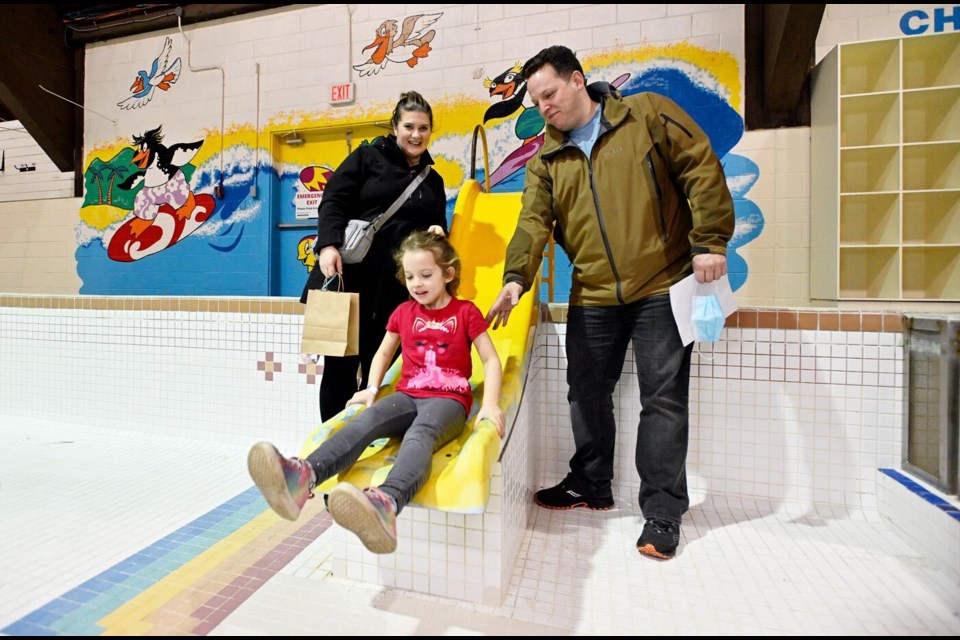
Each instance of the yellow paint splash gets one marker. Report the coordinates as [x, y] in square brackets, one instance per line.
[722, 65]
[451, 172]
[101, 216]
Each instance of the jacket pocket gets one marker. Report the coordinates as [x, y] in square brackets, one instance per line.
[658, 221]
[668, 121]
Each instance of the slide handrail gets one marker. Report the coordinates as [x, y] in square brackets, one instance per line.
[473, 157]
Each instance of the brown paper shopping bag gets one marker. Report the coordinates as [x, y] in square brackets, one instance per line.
[331, 323]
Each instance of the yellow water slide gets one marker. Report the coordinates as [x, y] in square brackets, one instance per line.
[482, 225]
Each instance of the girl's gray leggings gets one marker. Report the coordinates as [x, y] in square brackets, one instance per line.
[426, 424]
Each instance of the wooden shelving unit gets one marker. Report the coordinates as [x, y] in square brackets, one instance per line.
[885, 204]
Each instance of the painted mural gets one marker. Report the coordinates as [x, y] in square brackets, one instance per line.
[162, 75]
[252, 243]
[407, 44]
[310, 188]
[165, 209]
[705, 83]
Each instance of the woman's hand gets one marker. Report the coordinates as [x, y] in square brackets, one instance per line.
[329, 261]
[437, 229]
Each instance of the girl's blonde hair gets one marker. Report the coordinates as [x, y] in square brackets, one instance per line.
[443, 253]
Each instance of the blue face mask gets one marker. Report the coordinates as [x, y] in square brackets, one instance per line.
[707, 318]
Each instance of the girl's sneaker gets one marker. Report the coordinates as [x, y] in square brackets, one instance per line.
[369, 513]
[286, 483]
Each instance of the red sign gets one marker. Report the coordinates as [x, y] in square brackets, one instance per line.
[341, 93]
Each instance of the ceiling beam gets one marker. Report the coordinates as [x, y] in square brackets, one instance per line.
[154, 20]
[780, 52]
[33, 53]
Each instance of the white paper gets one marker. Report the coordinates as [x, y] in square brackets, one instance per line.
[681, 301]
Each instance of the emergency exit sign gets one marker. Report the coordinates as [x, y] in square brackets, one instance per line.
[341, 93]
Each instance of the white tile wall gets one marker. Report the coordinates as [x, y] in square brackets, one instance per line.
[923, 524]
[796, 419]
[176, 373]
[792, 416]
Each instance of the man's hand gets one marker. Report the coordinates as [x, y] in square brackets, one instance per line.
[330, 263]
[509, 298]
[708, 267]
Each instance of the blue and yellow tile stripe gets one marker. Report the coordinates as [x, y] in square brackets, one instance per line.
[185, 583]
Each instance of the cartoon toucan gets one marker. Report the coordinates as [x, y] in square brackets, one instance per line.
[164, 184]
[409, 46]
[160, 76]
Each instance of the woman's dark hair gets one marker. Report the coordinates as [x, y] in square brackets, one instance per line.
[563, 60]
[443, 253]
[411, 101]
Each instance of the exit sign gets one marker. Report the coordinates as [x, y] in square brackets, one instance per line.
[341, 93]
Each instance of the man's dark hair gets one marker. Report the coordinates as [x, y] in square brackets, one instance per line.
[563, 60]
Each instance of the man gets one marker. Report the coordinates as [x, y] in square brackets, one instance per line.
[612, 182]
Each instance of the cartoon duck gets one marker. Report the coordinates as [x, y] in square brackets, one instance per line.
[160, 76]
[164, 184]
[305, 252]
[412, 43]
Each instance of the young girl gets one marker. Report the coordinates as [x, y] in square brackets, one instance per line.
[428, 409]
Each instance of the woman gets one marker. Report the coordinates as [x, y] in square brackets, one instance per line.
[365, 185]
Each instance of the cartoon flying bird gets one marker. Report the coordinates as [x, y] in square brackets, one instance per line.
[409, 46]
[160, 76]
[164, 184]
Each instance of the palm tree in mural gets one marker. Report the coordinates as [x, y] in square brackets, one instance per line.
[116, 171]
[98, 175]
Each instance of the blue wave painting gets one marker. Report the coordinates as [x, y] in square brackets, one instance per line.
[228, 255]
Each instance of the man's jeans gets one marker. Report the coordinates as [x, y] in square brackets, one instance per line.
[597, 340]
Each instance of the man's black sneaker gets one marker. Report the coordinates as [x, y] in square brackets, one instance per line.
[564, 496]
[659, 539]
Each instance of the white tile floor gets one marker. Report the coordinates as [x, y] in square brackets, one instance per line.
[77, 501]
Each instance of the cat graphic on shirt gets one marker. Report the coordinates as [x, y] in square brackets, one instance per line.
[431, 338]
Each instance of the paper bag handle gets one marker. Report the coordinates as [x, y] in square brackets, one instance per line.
[327, 281]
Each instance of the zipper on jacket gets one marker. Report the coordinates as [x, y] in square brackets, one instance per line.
[668, 120]
[603, 230]
[656, 186]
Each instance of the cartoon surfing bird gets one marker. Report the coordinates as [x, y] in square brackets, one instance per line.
[511, 87]
[412, 43]
[160, 76]
[164, 184]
